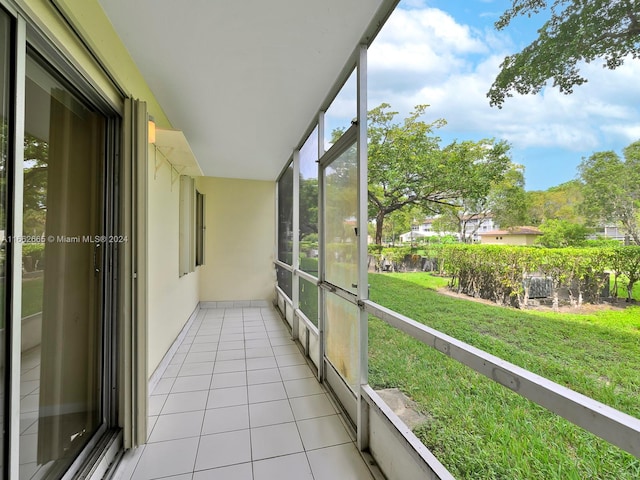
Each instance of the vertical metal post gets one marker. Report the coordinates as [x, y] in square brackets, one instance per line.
[321, 249]
[15, 319]
[363, 276]
[276, 246]
[295, 257]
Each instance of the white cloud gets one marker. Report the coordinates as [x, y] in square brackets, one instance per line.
[627, 133]
[420, 40]
[414, 3]
[425, 56]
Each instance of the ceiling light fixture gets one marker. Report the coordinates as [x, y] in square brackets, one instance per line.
[152, 130]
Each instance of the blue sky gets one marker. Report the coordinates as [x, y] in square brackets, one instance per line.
[446, 53]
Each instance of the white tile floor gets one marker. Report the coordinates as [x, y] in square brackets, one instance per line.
[239, 402]
[29, 407]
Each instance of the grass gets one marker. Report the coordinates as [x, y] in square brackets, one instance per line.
[622, 290]
[32, 291]
[308, 298]
[477, 428]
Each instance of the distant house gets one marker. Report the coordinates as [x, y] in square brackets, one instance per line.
[610, 232]
[473, 226]
[511, 236]
[422, 230]
[476, 224]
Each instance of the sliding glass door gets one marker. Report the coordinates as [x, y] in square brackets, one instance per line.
[6, 42]
[62, 326]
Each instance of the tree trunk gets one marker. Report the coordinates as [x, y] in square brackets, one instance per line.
[632, 282]
[526, 288]
[555, 286]
[379, 224]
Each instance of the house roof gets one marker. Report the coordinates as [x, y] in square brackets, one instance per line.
[514, 231]
[244, 80]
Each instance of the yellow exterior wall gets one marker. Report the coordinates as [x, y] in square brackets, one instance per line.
[239, 239]
[509, 239]
[171, 298]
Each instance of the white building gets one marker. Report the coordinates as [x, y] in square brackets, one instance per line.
[473, 226]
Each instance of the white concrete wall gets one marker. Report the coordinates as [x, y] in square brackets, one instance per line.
[390, 454]
[171, 298]
[240, 233]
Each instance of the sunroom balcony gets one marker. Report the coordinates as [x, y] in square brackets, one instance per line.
[238, 400]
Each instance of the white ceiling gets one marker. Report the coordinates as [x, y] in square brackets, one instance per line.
[243, 78]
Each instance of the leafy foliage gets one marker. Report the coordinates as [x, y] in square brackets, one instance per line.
[507, 199]
[612, 188]
[36, 162]
[577, 31]
[500, 272]
[504, 202]
[407, 167]
[399, 222]
[560, 202]
[308, 207]
[626, 264]
[562, 233]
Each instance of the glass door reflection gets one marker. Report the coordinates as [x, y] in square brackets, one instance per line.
[6, 43]
[62, 364]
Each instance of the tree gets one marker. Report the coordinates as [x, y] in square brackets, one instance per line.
[560, 202]
[577, 31]
[407, 167]
[562, 233]
[508, 200]
[612, 189]
[308, 206]
[505, 195]
[399, 222]
[36, 161]
[505, 204]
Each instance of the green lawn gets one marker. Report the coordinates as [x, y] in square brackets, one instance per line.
[622, 291]
[31, 297]
[32, 291]
[477, 428]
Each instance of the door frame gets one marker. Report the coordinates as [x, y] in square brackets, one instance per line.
[27, 36]
[352, 401]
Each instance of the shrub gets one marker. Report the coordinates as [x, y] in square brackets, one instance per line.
[500, 272]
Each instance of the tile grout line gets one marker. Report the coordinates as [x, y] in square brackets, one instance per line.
[246, 376]
[133, 470]
[230, 321]
[204, 415]
[304, 449]
[195, 322]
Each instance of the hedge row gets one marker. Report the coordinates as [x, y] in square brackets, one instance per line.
[502, 273]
